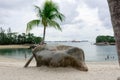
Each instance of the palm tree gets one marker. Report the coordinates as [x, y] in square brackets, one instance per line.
[47, 16]
[114, 6]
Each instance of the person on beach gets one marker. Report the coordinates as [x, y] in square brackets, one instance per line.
[107, 56]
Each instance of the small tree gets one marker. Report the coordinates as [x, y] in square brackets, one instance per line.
[47, 17]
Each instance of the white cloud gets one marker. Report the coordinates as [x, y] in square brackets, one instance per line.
[84, 20]
[92, 27]
[86, 15]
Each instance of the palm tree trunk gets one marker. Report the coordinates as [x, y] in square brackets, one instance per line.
[114, 6]
[44, 35]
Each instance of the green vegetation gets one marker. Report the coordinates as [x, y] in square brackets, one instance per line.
[47, 16]
[10, 37]
[109, 39]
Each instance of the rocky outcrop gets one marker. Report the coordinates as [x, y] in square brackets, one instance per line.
[60, 56]
[118, 78]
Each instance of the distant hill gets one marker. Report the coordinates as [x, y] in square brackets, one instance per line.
[105, 40]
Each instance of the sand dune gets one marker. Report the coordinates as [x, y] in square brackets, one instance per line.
[12, 69]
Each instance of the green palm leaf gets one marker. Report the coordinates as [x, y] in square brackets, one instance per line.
[39, 13]
[54, 24]
[60, 16]
[32, 24]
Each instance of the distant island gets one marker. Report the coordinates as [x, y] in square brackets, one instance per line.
[74, 41]
[105, 40]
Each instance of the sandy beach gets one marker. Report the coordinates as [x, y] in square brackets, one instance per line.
[12, 69]
[14, 46]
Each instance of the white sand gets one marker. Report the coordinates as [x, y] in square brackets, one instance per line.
[14, 46]
[11, 69]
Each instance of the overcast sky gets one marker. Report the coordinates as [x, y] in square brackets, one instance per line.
[85, 19]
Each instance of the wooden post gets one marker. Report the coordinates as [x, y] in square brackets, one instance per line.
[28, 62]
[38, 48]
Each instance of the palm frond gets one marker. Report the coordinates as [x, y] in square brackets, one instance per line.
[54, 24]
[49, 8]
[39, 13]
[56, 15]
[32, 24]
[60, 16]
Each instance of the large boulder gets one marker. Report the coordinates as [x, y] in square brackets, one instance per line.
[60, 56]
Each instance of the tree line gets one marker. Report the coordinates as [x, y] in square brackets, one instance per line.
[9, 37]
[109, 39]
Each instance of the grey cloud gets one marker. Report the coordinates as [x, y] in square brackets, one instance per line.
[102, 6]
[14, 4]
[69, 10]
[12, 9]
[97, 30]
[16, 13]
[96, 3]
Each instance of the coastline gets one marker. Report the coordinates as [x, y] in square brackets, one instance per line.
[104, 44]
[97, 71]
[14, 46]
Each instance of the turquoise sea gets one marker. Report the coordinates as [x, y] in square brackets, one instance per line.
[93, 53]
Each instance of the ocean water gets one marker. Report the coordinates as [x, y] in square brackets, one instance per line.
[16, 53]
[93, 53]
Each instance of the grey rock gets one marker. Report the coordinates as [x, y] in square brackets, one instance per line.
[118, 78]
[61, 56]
